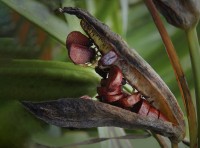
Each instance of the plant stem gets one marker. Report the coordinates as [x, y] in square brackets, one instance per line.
[160, 140]
[186, 96]
[195, 56]
[174, 145]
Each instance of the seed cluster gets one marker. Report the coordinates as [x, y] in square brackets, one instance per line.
[110, 91]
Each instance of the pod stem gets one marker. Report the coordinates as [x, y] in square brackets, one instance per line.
[185, 92]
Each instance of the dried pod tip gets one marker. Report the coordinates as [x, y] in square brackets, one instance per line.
[60, 10]
[78, 46]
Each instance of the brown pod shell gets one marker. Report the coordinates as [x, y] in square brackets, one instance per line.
[162, 117]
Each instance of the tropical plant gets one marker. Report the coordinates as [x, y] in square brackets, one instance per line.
[34, 66]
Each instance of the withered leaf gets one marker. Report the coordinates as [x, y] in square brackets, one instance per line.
[84, 113]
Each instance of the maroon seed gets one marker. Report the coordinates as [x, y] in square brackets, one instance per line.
[76, 37]
[80, 54]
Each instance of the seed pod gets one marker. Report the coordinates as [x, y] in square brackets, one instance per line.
[180, 13]
[137, 73]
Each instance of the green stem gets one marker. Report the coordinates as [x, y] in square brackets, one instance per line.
[195, 56]
[174, 145]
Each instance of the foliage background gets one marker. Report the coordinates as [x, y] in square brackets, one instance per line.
[31, 30]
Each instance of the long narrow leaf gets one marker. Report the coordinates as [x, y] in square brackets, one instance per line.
[41, 16]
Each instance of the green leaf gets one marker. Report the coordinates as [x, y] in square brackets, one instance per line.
[124, 9]
[44, 80]
[16, 125]
[39, 14]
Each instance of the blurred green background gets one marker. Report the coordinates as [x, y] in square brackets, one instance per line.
[34, 65]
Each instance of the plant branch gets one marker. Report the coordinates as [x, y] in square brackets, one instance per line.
[189, 106]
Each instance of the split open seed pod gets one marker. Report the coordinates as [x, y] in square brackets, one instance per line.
[81, 113]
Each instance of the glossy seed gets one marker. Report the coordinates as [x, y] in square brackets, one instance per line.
[154, 113]
[80, 54]
[130, 100]
[76, 37]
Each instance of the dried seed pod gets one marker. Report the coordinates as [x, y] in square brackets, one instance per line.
[138, 74]
[180, 13]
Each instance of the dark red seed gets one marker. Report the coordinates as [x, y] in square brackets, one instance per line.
[144, 109]
[113, 98]
[103, 82]
[154, 113]
[130, 100]
[111, 92]
[104, 91]
[115, 77]
[80, 54]
[76, 37]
